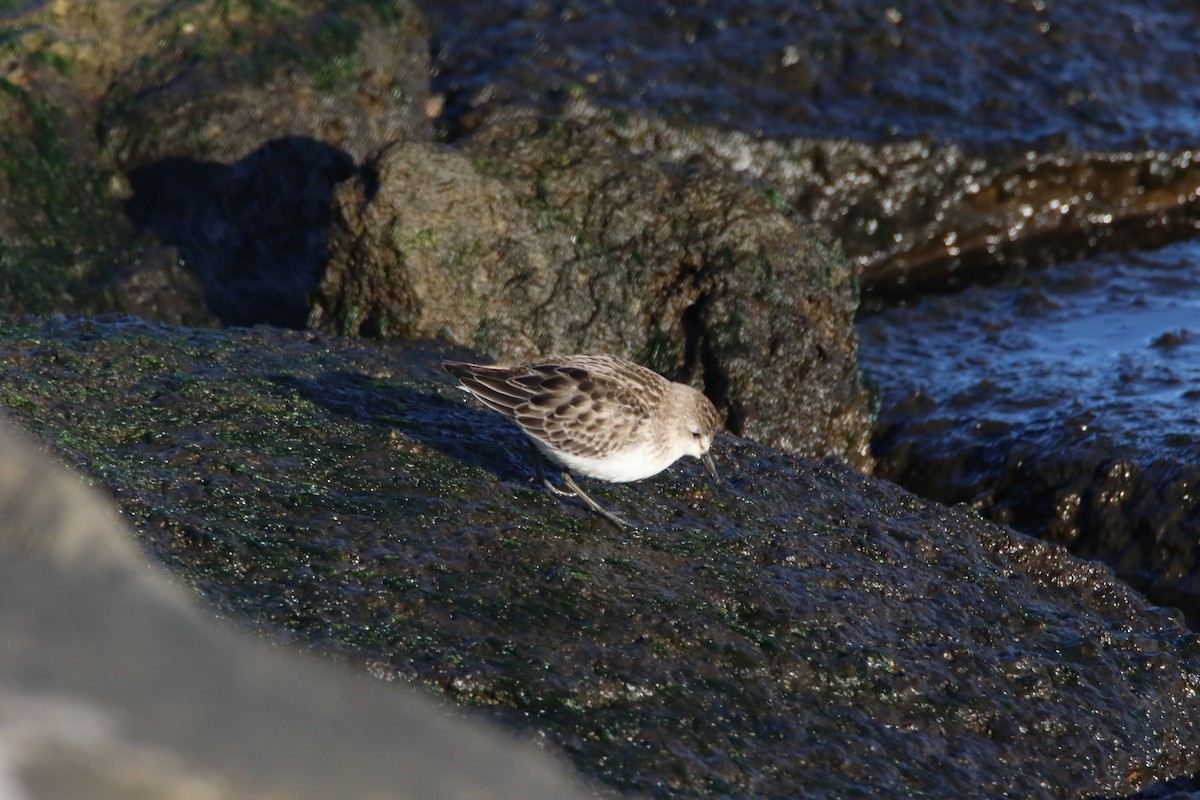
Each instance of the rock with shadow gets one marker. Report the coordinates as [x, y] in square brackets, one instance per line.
[805, 632]
[164, 95]
[541, 236]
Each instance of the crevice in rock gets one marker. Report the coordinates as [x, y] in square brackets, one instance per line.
[698, 355]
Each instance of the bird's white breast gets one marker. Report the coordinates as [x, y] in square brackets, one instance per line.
[630, 464]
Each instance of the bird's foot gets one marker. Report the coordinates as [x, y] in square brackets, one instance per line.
[616, 519]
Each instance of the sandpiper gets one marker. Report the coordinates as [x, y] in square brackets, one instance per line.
[601, 416]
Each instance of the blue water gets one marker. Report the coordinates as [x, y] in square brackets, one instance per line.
[1114, 339]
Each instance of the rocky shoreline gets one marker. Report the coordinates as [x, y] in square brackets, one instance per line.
[391, 172]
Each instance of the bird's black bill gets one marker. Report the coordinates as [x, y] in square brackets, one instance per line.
[711, 466]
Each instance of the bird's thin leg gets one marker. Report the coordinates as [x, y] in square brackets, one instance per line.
[557, 492]
[620, 522]
[575, 491]
[541, 473]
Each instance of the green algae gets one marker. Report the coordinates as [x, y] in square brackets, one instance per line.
[65, 232]
[333, 47]
[266, 468]
[141, 405]
[326, 46]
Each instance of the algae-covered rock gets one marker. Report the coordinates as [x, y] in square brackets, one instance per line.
[541, 236]
[93, 93]
[235, 76]
[113, 684]
[425, 245]
[806, 632]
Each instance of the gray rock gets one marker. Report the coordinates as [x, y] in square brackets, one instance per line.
[114, 685]
[544, 236]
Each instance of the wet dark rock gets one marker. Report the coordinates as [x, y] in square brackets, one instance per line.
[1066, 404]
[1037, 211]
[1172, 339]
[1174, 789]
[1015, 76]
[808, 631]
[917, 217]
[113, 685]
[540, 236]
[943, 143]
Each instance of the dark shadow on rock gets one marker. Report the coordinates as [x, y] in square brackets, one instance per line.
[447, 423]
[252, 232]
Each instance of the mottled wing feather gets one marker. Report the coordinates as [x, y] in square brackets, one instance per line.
[578, 408]
[491, 385]
[581, 419]
[580, 411]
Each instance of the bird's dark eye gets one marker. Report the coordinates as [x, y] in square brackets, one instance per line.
[696, 434]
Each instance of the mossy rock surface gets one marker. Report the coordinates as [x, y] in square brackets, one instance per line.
[807, 631]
